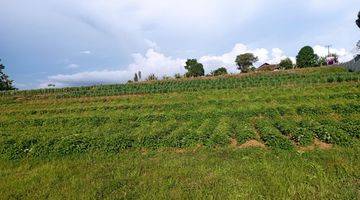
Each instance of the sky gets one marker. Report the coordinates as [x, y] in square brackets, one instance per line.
[87, 42]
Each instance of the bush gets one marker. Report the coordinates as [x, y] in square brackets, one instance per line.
[286, 64]
[219, 72]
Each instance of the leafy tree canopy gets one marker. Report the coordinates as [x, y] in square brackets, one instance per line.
[136, 78]
[245, 61]
[5, 82]
[194, 68]
[286, 64]
[219, 72]
[307, 58]
[151, 77]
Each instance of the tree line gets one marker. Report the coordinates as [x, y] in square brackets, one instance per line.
[245, 63]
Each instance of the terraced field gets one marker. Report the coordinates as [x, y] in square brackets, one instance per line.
[291, 134]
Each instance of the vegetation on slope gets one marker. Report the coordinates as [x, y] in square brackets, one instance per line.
[117, 140]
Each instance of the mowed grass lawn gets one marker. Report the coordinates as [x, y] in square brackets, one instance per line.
[283, 135]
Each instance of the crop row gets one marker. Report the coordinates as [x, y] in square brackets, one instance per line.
[180, 105]
[96, 120]
[213, 132]
[189, 85]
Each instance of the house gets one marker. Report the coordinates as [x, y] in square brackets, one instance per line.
[268, 67]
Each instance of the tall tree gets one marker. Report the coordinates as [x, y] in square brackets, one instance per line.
[307, 58]
[194, 68]
[245, 61]
[139, 75]
[5, 82]
[136, 78]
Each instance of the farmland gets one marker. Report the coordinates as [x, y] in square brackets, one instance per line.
[288, 134]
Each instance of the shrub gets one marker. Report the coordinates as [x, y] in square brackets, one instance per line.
[219, 72]
[286, 64]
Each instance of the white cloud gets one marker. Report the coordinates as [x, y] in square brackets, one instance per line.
[151, 44]
[160, 65]
[228, 59]
[85, 52]
[151, 62]
[343, 54]
[73, 66]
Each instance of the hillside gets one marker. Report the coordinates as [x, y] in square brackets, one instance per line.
[287, 134]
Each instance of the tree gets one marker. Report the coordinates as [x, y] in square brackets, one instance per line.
[358, 20]
[151, 77]
[307, 58]
[245, 61]
[194, 68]
[177, 76]
[5, 82]
[136, 78]
[322, 61]
[286, 64]
[219, 72]
[139, 75]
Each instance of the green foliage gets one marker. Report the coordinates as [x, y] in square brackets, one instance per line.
[271, 136]
[5, 82]
[171, 135]
[286, 64]
[151, 77]
[222, 133]
[307, 58]
[322, 61]
[194, 68]
[136, 78]
[245, 61]
[330, 134]
[219, 72]
[177, 76]
[300, 135]
[244, 132]
[358, 20]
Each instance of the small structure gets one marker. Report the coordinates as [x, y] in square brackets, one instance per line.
[268, 67]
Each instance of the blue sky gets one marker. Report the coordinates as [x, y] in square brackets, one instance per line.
[85, 42]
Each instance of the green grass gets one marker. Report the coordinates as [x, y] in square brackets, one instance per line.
[194, 174]
[172, 139]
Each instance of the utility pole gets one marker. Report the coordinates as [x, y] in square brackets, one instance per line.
[328, 46]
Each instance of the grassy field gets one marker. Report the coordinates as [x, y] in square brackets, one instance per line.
[274, 135]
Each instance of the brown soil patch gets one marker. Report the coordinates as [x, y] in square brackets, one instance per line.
[317, 144]
[180, 151]
[252, 143]
[322, 145]
[233, 142]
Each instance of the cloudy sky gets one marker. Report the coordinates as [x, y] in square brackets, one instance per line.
[85, 42]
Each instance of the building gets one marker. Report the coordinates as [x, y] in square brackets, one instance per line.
[268, 67]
